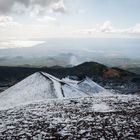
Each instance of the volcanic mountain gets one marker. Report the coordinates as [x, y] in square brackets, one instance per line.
[41, 85]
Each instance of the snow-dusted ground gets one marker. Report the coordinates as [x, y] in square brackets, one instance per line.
[44, 107]
[110, 117]
[40, 86]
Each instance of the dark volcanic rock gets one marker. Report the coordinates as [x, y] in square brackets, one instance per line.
[99, 117]
[98, 72]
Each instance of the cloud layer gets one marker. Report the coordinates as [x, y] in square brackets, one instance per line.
[108, 28]
[40, 6]
[7, 21]
[40, 18]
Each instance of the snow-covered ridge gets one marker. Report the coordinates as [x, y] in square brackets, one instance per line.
[42, 86]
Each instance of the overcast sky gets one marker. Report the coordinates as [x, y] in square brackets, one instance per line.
[28, 19]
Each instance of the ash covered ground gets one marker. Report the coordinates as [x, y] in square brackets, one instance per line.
[115, 117]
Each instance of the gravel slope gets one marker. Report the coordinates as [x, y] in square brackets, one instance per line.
[115, 117]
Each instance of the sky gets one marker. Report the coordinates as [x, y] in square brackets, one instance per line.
[40, 19]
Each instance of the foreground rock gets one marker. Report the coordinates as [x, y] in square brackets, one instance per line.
[99, 117]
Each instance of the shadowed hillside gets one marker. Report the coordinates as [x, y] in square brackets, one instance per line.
[98, 72]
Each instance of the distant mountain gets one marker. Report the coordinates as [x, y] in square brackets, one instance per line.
[90, 69]
[134, 69]
[19, 73]
[40, 86]
[99, 73]
[119, 62]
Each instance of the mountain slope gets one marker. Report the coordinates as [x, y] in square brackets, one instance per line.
[88, 86]
[32, 88]
[15, 74]
[115, 117]
[97, 72]
[40, 86]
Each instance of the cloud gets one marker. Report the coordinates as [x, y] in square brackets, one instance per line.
[108, 28]
[7, 21]
[19, 6]
[46, 18]
[4, 19]
[105, 27]
[18, 44]
[58, 6]
[134, 30]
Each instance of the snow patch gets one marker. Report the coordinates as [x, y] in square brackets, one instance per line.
[101, 107]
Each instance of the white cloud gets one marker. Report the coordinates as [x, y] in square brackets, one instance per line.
[40, 6]
[46, 18]
[105, 27]
[108, 28]
[7, 21]
[18, 44]
[134, 30]
[48, 26]
[58, 6]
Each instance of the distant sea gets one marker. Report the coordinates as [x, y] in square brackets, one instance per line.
[128, 48]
